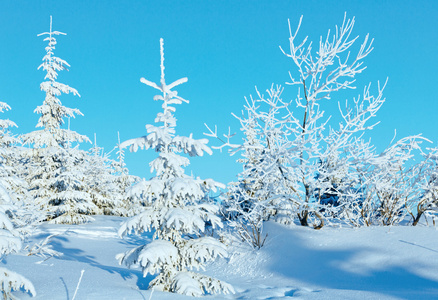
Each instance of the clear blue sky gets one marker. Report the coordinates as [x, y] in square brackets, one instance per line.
[225, 48]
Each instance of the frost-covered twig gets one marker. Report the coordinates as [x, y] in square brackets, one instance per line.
[79, 283]
[227, 137]
[152, 292]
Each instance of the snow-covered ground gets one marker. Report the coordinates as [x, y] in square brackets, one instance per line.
[296, 262]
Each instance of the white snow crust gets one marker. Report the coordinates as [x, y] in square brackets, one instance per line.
[397, 262]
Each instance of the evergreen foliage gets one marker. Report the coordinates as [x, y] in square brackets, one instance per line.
[177, 212]
[10, 242]
[55, 169]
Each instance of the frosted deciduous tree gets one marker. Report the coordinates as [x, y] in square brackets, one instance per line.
[379, 188]
[260, 192]
[311, 159]
[177, 214]
[427, 183]
[330, 70]
[376, 185]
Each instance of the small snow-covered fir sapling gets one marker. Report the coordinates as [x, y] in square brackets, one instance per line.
[56, 169]
[177, 214]
[129, 205]
[10, 242]
[107, 181]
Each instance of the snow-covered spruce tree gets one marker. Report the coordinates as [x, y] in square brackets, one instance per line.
[100, 181]
[52, 111]
[12, 168]
[177, 213]
[6, 138]
[10, 159]
[10, 242]
[107, 181]
[54, 168]
[13, 196]
[131, 205]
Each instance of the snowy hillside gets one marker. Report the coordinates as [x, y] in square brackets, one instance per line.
[397, 262]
